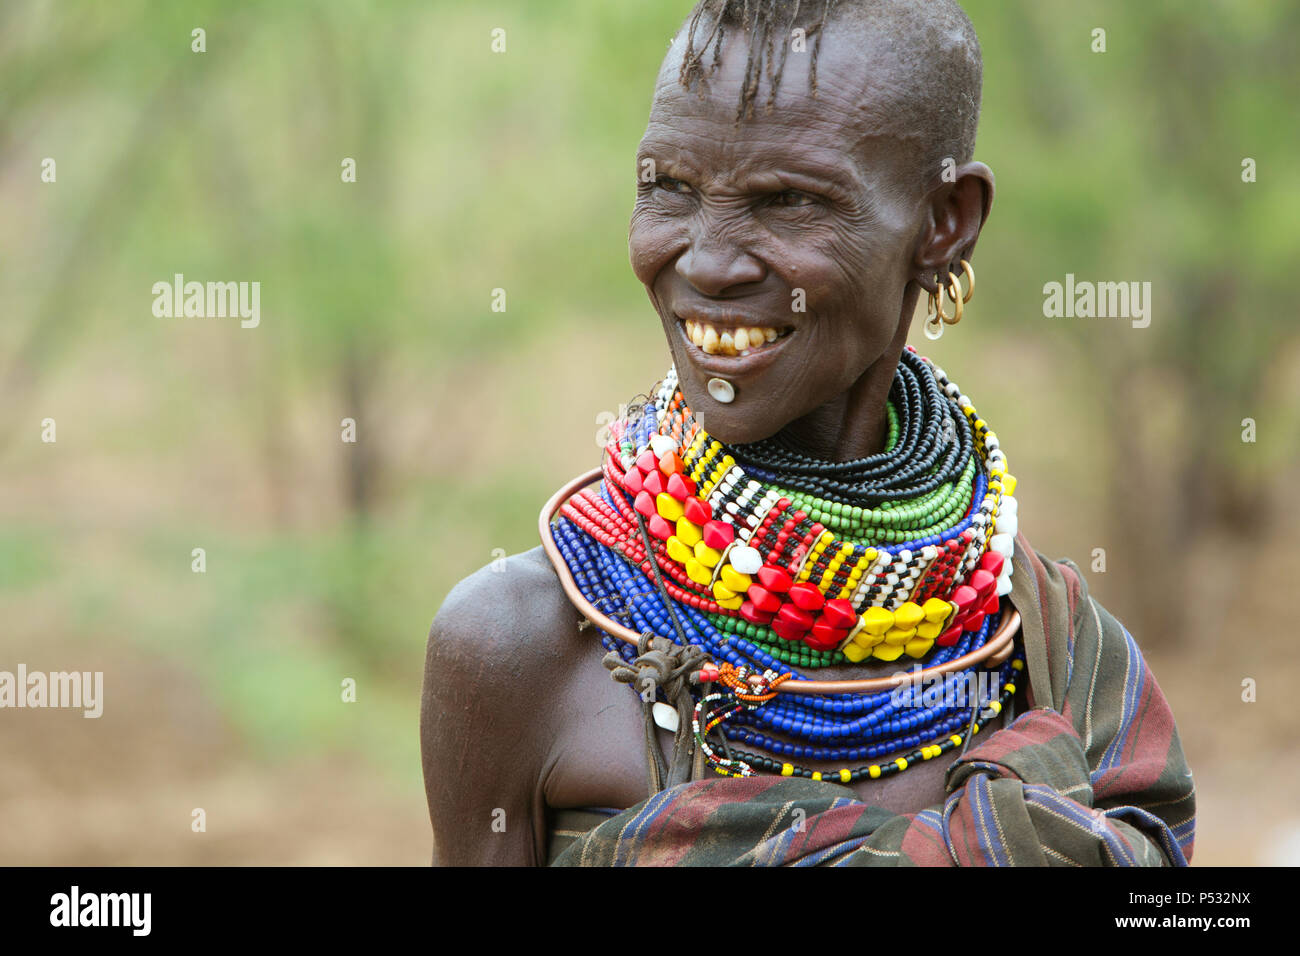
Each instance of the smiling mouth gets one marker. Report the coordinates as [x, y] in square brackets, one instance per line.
[731, 340]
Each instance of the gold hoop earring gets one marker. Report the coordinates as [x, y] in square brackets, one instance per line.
[969, 270]
[954, 293]
[936, 316]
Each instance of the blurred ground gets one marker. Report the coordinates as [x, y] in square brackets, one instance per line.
[123, 793]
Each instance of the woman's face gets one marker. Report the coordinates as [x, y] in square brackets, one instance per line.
[776, 252]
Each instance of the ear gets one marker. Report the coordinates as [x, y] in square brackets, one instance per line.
[956, 212]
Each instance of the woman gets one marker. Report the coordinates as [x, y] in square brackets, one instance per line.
[821, 504]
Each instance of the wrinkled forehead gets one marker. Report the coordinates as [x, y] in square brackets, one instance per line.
[853, 112]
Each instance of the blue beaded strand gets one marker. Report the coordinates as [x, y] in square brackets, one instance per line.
[880, 724]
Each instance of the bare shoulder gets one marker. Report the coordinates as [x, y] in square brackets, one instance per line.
[500, 645]
[488, 720]
[511, 610]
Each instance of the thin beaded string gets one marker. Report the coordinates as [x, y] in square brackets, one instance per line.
[742, 763]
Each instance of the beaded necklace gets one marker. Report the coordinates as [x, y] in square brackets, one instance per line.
[767, 558]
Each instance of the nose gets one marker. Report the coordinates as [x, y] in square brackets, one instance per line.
[712, 264]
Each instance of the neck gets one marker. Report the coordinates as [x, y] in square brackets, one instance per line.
[854, 424]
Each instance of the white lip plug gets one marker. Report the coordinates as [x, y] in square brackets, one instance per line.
[722, 390]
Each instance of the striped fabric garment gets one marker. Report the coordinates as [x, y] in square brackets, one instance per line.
[1093, 775]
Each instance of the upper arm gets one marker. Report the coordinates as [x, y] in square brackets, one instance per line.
[1127, 728]
[483, 748]
[1091, 670]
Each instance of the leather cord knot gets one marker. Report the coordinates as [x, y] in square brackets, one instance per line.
[661, 665]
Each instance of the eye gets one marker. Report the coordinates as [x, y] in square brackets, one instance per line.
[792, 197]
[668, 184]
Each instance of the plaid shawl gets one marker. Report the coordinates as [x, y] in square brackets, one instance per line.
[1093, 775]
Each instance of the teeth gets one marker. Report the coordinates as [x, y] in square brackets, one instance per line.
[710, 340]
[728, 342]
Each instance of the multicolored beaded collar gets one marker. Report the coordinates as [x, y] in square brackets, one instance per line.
[768, 559]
